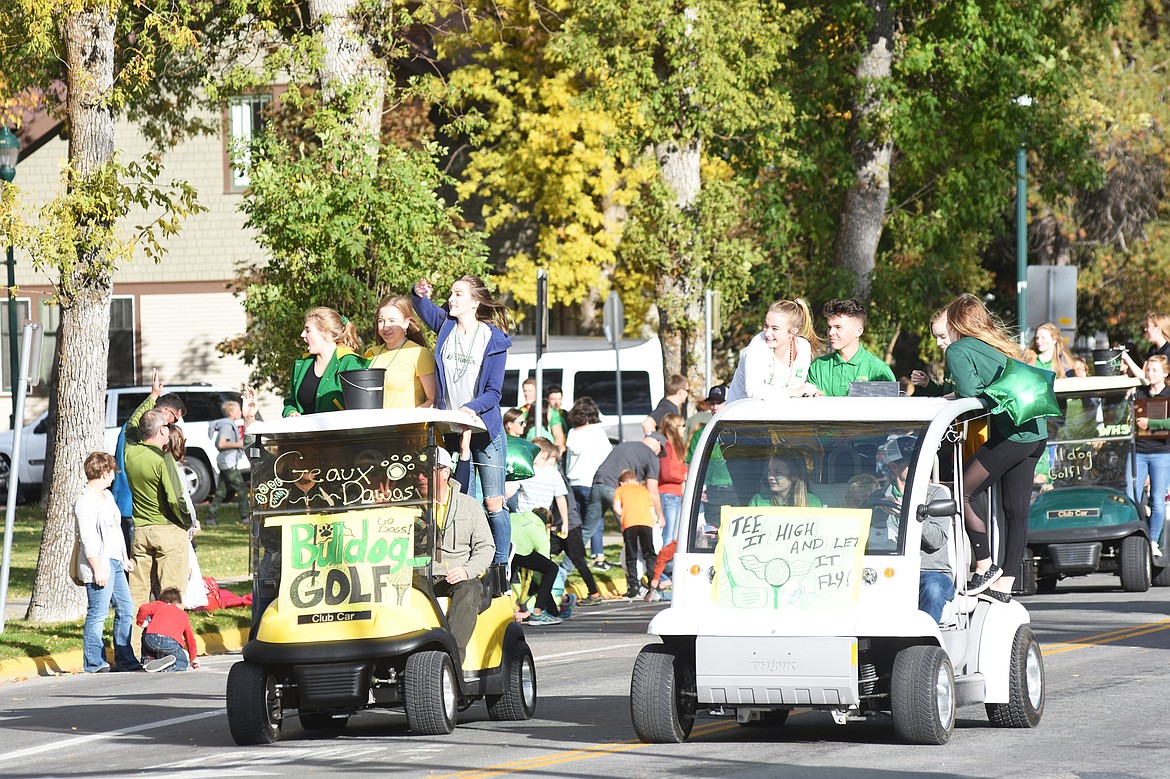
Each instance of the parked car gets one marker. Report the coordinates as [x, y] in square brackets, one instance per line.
[203, 403]
[582, 365]
[1085, 520]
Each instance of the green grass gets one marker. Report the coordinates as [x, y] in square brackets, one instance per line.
[223, 554]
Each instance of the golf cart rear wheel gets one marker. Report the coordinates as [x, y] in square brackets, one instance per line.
[662, 695]
[768, 719]
[322, 720]
[1136, 571]
[432, 693]
[253, 704]
[519, 700]
[922, 695]
[1026, 686]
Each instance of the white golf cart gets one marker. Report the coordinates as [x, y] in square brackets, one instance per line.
[780, 608]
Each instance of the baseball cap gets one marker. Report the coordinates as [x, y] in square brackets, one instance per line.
[718, 394]
[443, 458]
[661, 439]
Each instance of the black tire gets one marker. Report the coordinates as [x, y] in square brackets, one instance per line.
[662, 695]
[1028, 692]
[321, 720]
[768, 719]
[1136, 573]
[519, 700]
[1162, 575]
[922, 695]
[199, 478]
[432, 693]
[1026, 584]
[253, 706]
[1046, 585]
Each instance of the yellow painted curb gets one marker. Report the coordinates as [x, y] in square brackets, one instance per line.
[22, 668]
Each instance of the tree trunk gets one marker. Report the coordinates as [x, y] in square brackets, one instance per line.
[349, 66]
[84, 341]
[863, 216]
[680, 288]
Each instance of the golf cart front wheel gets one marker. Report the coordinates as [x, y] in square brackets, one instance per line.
[1136, 571]
[1026, 686]
[663, 695]
[519, 700]
[922, 695]
[253, 704]
[432, 693]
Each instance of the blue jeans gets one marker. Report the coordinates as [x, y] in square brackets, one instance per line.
[157, 645]
[600, 498]
[117, 589]
[671, 508]
[490, 456]
[1157, 468]
[935, 588]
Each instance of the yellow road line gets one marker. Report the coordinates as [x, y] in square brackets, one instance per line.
[1107, 638]
[556, 758]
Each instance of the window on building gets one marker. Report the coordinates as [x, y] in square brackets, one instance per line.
[246, 117]
[121, 368]
[21, 316]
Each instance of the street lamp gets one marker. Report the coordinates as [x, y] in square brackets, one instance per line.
[9, 152]
[1024, 101]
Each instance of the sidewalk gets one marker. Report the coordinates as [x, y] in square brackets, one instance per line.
[214, 642]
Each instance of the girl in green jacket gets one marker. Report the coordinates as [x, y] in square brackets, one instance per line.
[333, 347]
[977, 355]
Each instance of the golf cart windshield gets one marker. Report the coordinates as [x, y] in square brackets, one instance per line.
[819, 467]
[1090, 443]
[343, 522]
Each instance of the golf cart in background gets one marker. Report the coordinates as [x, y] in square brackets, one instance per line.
[816, 607]
[1084, 521]
[344, 613]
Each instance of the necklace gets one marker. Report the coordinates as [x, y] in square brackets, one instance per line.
[791, 360]
[462, 360]
[397, 349]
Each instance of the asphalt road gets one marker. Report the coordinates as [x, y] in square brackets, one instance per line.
[1106, 658]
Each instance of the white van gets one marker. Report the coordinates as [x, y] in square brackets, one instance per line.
[583, 365]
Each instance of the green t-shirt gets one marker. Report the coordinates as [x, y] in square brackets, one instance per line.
[717, 473]
[832, 375]
[765, 499]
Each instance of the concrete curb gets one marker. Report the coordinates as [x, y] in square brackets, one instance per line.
[24, 668]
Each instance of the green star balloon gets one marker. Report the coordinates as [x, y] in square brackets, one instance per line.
[1024, 392]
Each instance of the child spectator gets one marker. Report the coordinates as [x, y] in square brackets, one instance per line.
[547, 488]
[167, 628]
[228, 435]
[634, 508]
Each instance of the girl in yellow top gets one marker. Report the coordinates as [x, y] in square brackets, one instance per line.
[402, 352]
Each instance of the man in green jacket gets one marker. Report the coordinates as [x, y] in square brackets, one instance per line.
[849, 360]
[160, 547]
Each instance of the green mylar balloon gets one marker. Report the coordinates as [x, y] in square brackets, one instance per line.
[1024, 392]
[521, 455]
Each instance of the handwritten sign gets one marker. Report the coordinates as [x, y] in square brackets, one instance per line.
[322, 475]
[772, 557]
[335, 567]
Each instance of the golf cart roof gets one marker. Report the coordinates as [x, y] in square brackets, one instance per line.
[366, 421]
[1095, 384]
[839, 409]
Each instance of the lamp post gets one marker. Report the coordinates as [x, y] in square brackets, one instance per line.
[9, 152]
[1024, 101]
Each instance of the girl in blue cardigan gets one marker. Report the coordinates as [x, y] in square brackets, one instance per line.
[470, 352]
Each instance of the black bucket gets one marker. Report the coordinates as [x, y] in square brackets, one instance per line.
[363, 389]
[1106, 362]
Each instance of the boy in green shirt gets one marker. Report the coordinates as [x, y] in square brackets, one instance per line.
[849, 361]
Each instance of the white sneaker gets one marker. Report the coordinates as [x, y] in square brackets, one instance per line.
[161, 664]
[1157, 550]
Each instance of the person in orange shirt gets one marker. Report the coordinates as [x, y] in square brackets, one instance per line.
[635, 510]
